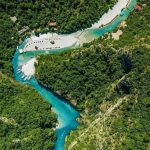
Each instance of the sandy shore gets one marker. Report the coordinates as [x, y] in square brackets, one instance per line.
[49, 41]
[28, 68]
[117, 34]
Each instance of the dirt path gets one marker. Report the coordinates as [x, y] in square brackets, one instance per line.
[101, 117]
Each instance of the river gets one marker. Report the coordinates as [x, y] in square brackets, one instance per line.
[67, 115]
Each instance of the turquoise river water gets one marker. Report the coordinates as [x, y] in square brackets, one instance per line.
[67, 115]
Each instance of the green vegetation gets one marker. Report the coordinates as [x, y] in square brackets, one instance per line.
[103, 74]
[26, 120]
[70, 15]
[77, 77]
[9, 42]
[127, 126]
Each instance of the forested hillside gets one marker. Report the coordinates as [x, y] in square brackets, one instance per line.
[70, 15]
[106, 74]
[26, 120]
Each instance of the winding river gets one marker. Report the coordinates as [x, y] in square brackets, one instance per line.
[67, 115]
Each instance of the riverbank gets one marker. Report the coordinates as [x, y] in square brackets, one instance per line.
[111, 14]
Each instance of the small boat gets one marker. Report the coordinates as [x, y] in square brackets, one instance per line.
[122, 12]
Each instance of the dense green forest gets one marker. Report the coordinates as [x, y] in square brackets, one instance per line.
[70, 16]
[26, 120]
[77, 77]
[95, 76]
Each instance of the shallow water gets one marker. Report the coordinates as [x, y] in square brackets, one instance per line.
[67, 115]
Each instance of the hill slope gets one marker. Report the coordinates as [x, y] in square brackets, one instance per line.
[26, 120]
